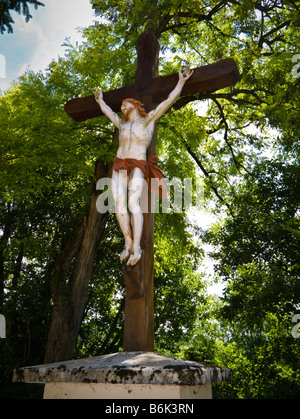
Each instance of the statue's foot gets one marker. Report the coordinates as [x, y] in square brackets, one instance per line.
[134, 257]
[125, 254]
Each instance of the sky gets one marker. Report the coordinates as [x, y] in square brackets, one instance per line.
[36, 43]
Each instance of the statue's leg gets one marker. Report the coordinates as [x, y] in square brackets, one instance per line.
[119, 190]
[135, 189]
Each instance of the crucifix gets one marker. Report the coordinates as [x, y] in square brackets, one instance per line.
[142, 103]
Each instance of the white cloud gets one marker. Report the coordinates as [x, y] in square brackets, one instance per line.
[32, 40]
[58, 19]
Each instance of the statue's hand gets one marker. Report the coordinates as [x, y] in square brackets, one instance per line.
[185, 74]
[98, 95]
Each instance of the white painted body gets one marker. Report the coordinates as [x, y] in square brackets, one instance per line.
[135, 135]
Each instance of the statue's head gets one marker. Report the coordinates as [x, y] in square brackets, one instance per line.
[135, 104]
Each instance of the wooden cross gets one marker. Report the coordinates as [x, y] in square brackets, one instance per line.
[150, 89]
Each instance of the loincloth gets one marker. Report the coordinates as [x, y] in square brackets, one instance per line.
[149, 170]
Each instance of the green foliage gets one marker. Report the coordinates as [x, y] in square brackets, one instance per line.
[259, 258]
[260, 245]
[265, 361]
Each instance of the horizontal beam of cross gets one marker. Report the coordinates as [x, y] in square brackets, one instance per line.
[211, 77]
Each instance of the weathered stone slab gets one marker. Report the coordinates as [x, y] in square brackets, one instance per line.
[125, 368]
[125, 391]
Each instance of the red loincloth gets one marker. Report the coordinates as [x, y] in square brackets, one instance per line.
[149, 170]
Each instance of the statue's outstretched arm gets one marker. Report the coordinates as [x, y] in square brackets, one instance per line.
[162, 108]
[115, 119]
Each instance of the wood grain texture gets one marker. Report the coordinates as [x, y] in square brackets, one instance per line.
[211, 77]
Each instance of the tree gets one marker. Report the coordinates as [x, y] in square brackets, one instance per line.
[19, 6]
[41, 181]
[260, 245]
[258, 260]
[48, 187]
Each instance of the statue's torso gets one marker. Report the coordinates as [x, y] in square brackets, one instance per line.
[134, 139]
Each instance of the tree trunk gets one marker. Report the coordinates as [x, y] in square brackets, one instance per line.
[69, 290]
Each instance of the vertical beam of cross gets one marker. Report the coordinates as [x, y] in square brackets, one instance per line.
[139, 308]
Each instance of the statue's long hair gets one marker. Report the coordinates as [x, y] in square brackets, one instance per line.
[139, 107]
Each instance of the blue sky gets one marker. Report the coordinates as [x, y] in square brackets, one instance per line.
[34, 44]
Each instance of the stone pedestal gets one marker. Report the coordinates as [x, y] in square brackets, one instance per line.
[125, 375]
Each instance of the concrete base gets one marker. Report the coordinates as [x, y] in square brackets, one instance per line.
[125, 375]
[125, 391]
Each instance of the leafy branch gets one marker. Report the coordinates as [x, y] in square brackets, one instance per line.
[201, 166]
[236, 162]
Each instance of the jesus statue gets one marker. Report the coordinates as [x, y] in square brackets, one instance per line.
[130, 166]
